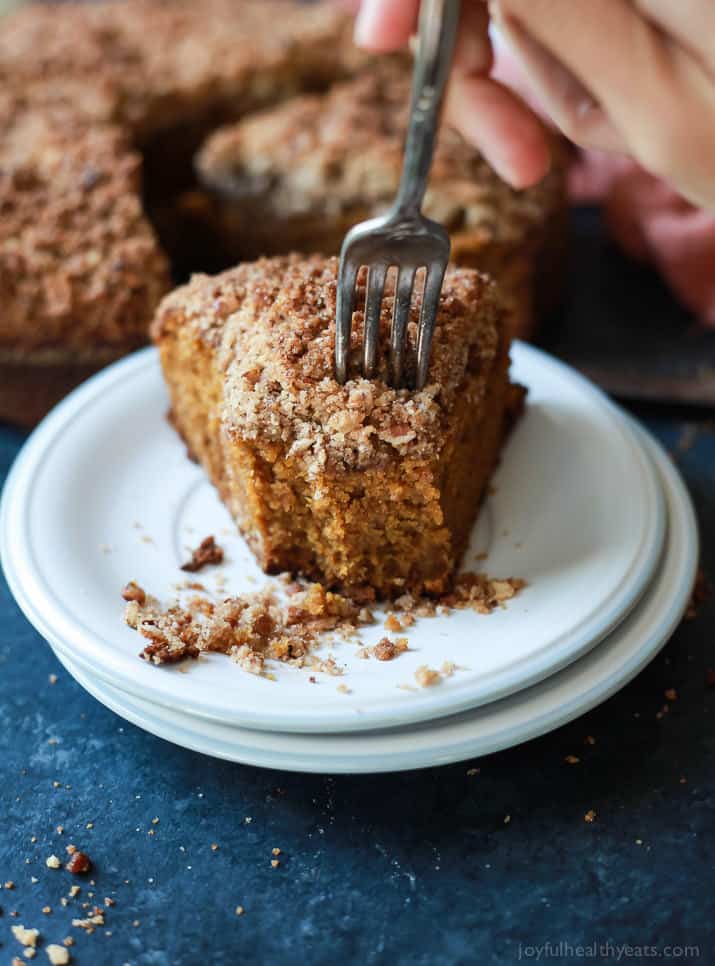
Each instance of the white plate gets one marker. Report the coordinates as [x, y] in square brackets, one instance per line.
[577, 512]
[504, 723]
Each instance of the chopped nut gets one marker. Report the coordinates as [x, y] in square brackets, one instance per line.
[52, 862]
[133, 592]
[208, 552]
[79, 863]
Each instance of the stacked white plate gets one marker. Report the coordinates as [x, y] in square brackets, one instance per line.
[586, 508]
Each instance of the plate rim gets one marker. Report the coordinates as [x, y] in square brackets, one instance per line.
[683, 560]
[381, 714]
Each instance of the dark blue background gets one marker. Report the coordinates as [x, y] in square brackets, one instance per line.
[415, 868]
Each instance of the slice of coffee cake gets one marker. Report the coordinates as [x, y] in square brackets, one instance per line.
[359, 485]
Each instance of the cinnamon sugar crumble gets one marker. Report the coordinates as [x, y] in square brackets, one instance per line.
[280, 387]
[207, 552]
[387, 650]
[264, 626]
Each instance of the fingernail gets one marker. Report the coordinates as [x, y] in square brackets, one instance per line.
[364, 23]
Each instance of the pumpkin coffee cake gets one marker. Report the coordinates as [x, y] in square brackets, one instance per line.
[296, 177]
[356, 485]
[102, 106]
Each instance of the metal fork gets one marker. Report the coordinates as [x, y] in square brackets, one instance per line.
[403, 238]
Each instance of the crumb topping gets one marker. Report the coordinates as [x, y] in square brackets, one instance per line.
[331, 152]
[74, 242]
[250, 628]
[166, 61]
[81, 269]
[272, 324]
[255, 628]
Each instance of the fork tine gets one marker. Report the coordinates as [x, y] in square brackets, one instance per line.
[428, 318]
[400, 318]
[373, 301]
[344, 316]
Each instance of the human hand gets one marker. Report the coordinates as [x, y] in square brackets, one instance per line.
[631, 76]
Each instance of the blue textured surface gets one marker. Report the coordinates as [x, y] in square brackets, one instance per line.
[418, 868]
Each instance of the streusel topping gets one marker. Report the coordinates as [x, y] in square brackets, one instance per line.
[167, 59]
[80, 265]
[272, 325]
[332, 152]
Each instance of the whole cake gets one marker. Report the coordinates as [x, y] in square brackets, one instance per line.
[299, 175]
[356, 485]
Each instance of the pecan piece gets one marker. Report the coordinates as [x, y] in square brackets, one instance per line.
[207, 552]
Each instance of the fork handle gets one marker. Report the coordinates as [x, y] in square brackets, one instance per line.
[437, 34]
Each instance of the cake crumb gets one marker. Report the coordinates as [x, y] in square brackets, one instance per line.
[207, 552]
[58, 955]
[26, 937]
[240, 910]
[590, 815]
[427, 677]
[393, 624]
[53, 678]
[52, 862]
[572, 759]
[387, 650]
[671, 694]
